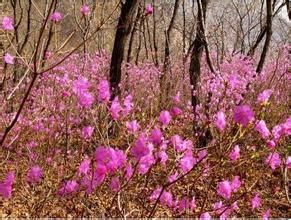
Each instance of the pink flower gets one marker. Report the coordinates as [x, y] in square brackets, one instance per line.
[112, 159]
[186, 204]
[132, 126]
[166, 199]
[8, 58]
[7, 23]
[103, 91]
[129, 171]
[220, 121]
[235, 153]
[256, 201]
[178, 143]
[173, 177]
[243, 114]
[47, 54]
[202, 154]
[264, 96]
[80, 85]
[34, 175]
[156, 136]
[115, 184]
[128, 104]
[273, 160]
[56, 16]
[261, 127]
[271, 144]
[87, 132]
[176, 98]
[68, 188]
[145, 163]
[205, 216]
[155, 194]
[115, 109]
[85, 10]
[217, 206]
[266, 214]
[149, 9]
[288, 162]
[6, 185]
[163, 157]
[235, 184]
[187, 162]
[84, 167]
[85, 99]
[140, 148]
[224, 189]
[277, 132]
[165, 118]
[175, 111]
[98, 177]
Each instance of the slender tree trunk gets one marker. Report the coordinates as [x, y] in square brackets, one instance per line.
[154, 36]
[164, 79]
[123, 30]
[288, 8]
[268, 37]
[195, 66]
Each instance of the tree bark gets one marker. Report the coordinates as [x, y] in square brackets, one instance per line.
[123, 30]
[268, 37]
[164, 80]
[199, 44]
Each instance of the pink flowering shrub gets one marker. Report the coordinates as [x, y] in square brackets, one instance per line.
[61, 150]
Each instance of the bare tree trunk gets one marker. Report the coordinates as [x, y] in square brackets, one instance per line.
[154, 36]
[268, 37]
[164, 80]
[288, 8]
[195, 64]
[123, 30]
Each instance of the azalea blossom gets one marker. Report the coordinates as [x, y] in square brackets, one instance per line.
[175, 111]
[273, 160]
[224, 189]
[261, 127]
[149, 9]
[6, 185]
[128, 105]
[68, 188]
[165, 118]
[85, 9]
[132, 126]
[266, 214]
[140, 148]
[156, 136]
[115, 109]
[34, 175]
[220, 121]
[7, 23]
[8, 58]
[243, 115]
[234, 155]
[256, 201]
[264, 96]
[288, 162]
[271, 144]
[87, 132]
[56, 17]
[205, 216]
[103, 91]
[235, 184]
[84, 167]
[115, 184]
